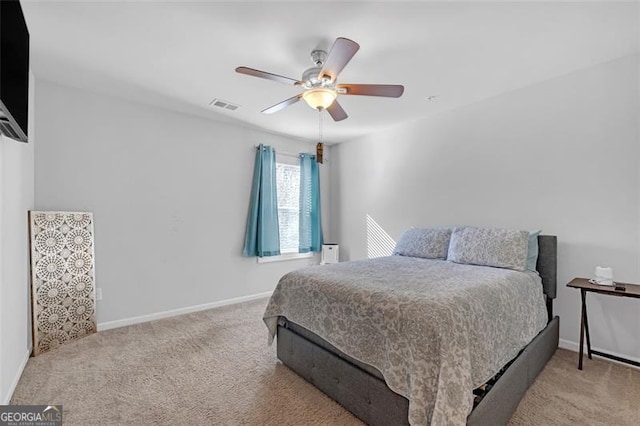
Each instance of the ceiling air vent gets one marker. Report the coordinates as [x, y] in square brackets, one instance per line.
[219, 103]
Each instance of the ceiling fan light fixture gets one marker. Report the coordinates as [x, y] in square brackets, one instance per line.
[319, 98]
[319, 83]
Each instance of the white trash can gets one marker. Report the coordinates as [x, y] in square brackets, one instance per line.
[330, 253]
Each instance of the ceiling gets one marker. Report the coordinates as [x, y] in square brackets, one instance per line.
[181, 55]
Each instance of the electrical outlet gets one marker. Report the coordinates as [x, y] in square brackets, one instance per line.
[98, 294]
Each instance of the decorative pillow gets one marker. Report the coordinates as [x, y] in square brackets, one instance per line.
[500, 248]
[430, 243]
[532, 256]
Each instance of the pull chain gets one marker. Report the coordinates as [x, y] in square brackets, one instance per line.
[320, 125]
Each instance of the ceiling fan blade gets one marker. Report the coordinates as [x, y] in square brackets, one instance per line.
[269, 76]
[282, 105]
[336, 112]
[339, 56]
[386, 90]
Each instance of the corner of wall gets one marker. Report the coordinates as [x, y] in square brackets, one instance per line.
[17, 196]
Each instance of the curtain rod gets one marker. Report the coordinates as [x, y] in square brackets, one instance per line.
[287, 154]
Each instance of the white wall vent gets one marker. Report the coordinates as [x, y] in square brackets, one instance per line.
[219, 103]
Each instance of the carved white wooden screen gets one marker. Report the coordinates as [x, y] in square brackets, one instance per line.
[62, 277]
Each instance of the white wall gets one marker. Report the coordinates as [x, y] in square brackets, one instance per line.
[169, 193]
[16, 198]
[562, 155]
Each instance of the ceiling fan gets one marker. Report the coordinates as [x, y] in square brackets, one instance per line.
[320, 81]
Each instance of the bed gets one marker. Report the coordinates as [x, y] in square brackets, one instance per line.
[462, 350]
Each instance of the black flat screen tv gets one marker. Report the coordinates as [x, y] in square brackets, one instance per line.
[14, 71]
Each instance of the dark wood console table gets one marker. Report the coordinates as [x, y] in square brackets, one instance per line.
[632, 290]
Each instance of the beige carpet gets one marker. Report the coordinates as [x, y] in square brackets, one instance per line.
[214, 367]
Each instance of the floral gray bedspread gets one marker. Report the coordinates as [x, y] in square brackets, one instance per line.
[435, 329]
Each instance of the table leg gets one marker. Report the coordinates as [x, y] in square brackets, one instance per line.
[586, 322]
[582, 315]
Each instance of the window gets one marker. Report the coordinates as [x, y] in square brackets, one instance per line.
[284, 211]
[288, 187]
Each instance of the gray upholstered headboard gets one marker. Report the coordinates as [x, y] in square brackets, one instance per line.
[547, 265]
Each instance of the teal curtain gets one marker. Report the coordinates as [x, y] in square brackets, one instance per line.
[310, 219]
[262, 237]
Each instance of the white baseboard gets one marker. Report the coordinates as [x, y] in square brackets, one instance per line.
[568, 344]
[16, 379]
[181, 311]
[575, 347]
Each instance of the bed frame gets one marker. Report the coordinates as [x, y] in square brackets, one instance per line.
[361, 389]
